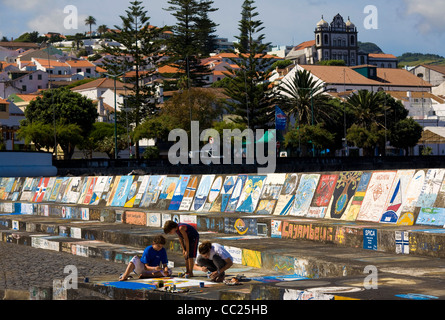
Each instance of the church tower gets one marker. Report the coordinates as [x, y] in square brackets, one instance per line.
[337, 41]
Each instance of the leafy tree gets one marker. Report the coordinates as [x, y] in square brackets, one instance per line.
[102, 29]
[406, 134]
[192, 38]
[196, 104]
[307, 137]
[142, 46]
[72, 114]
[250, 97]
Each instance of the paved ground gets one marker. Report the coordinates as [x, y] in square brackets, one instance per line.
[22, 267]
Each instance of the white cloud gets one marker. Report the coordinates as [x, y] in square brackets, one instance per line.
[430, 14]
[56, 21]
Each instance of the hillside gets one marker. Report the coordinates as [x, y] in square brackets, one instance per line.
[414, 59]
[369, 47]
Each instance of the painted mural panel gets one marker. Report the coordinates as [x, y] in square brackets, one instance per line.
[179, 192]
[101, 189]
[271, 192]
[287, 195]
[430, 189]
[56, 189]
[123, 188]
[221, 201]
[202, 192]
[113, 188]
[376, 196]
[189, 193]
[49, 189]
[17, 189]
[407, 213]
[431, 217]
[215, 191]
[397, 196]
[236, 194]
[41, 190]
[27, 189]
[166, 195]
[133, 192]
[343, 194]
[322, 196]
[252, 190]
[353, 209]
[153, 191]
[304, 194]
[74, 190]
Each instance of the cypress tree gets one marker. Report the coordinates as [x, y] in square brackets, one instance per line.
[141, 45]
[191, 39]
[248, 87]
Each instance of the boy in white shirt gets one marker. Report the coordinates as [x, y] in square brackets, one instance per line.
[213, 258]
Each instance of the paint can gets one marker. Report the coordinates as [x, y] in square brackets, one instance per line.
[161, 284]
[201, 284]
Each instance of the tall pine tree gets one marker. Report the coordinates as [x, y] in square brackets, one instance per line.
[139, 53]
[248, 87]
[191, 40]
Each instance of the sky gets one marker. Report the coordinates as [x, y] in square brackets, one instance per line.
[396, 26]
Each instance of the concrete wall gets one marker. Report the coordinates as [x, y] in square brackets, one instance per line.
[392, 210]
[26, 164]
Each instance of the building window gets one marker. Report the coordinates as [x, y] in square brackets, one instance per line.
[326, 39]
[352, 41]
[39, 77]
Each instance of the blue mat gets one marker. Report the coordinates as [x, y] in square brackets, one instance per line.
[128, 285]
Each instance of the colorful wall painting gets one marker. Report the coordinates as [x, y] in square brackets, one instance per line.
[431, 217]
[397, 196]
[407, 214]
[56, 189]
[41, 189]
[166, 195]
[322, 196]
[74, 190]
[101, 189]
[376, 196]
[153, 190]
[17, 189]
[123, 188]
[236, 194]
[221, 201]
[214, 193]
[353, 209]
[27, 189]
[87, 190]
[189, 193]
[271, 192]
[304, 194]
[202, 192]
[287, 195]
[343, 194]
[252, 190]
[133, 192]
[179, 192]
[430, 189]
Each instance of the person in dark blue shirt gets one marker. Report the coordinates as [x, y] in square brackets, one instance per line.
[189, 240]
[152, 264]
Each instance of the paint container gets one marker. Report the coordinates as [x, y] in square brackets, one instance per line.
[208, 274]
[180, 274]
[201, 285]
[161, 284]
[174, 287]
[86, 280]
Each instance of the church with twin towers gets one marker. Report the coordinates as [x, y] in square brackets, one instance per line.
[338, 40]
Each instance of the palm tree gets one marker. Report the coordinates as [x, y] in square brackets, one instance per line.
[90, 21]
[102, 29]
[304, 98]
[368, 108]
